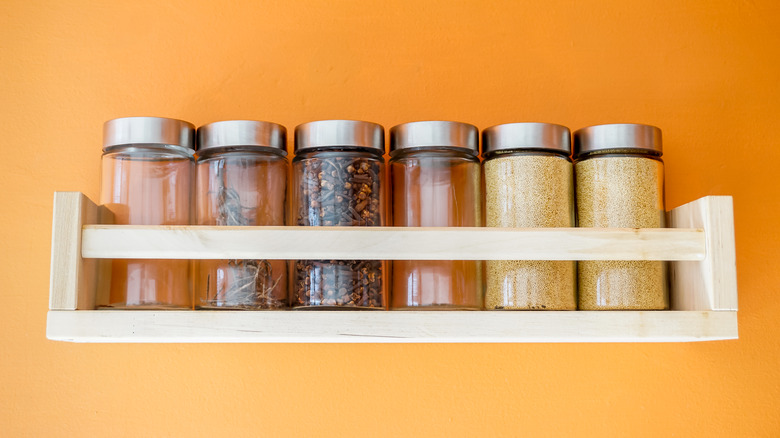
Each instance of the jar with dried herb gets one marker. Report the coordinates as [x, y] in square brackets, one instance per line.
[338, 174]
[241, 181]
[146, 180]
[620, 184]
[529, 180]
[436, 182]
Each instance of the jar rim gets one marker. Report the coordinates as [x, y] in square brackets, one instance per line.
[451, 149]
[491, 155]
[156, 147]
[259, 150]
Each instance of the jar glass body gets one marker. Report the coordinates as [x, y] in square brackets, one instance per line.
[240, 187]
[530, 189]
[338, 187]
[148, 185]
[621, 189]
[436, 187]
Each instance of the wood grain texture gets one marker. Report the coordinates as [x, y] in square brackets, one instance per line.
[71, 282]
[390, 326]
[391, 243]
[74, 282]
[709, 284]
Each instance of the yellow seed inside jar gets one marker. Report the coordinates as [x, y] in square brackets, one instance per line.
[530, 190]
[621, 191]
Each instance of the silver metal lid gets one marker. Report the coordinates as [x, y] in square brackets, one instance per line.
[148, 130]
[243, 133]
[435, 134]
[340, 133]
[512, 136]
[618, 136]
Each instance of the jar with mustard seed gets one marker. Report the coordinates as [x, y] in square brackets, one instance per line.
[529, 183]
[620, 184]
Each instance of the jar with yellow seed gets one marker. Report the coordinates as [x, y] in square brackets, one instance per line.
[620, 184]
[529, 184]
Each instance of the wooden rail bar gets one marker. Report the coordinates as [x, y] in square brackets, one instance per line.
[391, 243]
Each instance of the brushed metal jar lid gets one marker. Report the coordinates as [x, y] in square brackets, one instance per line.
[521, 136]
[148, 130]
[435, 133]
[340, 134]
[234, 133]
[618, 136]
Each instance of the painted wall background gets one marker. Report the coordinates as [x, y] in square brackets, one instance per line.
[706, 72]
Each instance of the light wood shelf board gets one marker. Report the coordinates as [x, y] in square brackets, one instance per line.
[389, 327]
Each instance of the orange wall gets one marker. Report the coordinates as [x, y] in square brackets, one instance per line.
[705, 72]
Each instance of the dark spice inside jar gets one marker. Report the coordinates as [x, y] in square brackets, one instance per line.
[356, 283]
[339, 191]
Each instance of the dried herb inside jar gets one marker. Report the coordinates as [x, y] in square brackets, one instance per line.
[339, 191]
[248, 284]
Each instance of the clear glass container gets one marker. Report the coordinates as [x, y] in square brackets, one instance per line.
[529, 183]
[436, 182]
[147, 176]
[338, 180]
[620, 184]
[241, 181]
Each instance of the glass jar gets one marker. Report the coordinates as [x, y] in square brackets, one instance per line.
[436, 182]
[147, 179]
[338, 175]
[241, 181]
[620, 184]
[529, 183]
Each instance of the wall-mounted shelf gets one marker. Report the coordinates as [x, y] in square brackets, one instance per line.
[699, 244]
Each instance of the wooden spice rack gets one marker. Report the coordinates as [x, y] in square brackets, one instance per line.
[699, 244]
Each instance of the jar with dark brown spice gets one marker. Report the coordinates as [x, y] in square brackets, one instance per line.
[338, 174]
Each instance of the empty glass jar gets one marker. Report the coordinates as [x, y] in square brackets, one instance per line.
[529, 181]
[338, 180]
[147, 179]
[620, 184]
[436, 182]
[241, 181]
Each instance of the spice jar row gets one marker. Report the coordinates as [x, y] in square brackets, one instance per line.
[160, 171]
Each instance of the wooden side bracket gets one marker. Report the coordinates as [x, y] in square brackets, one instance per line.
[709, 284]
[74, 282]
